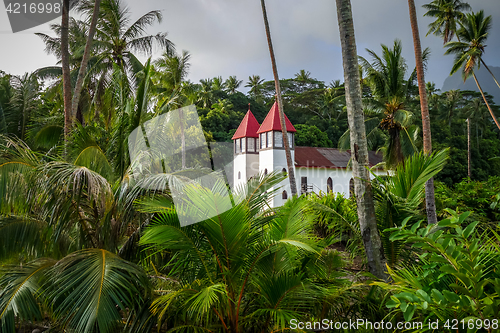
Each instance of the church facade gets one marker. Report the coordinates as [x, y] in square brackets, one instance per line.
[260, 149]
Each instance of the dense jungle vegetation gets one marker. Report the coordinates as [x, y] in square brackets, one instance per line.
[85, 248]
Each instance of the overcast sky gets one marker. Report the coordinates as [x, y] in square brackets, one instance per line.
[227, 37]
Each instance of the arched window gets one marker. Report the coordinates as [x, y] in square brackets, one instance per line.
[351, 187]
[265, 172]
[329, 185]
[284, 171]
[239, 174]
[284, 195]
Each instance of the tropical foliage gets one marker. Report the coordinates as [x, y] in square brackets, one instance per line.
[86, 246]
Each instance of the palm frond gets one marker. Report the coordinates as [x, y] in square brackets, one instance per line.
[88, 288]
[19, 293]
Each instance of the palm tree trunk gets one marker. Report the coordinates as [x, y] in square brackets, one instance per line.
[468, 150]
[430, 200]
[85, 60]
[289, 162]
[486, 101]
[494, 78]
[65, 67]
[359, 149]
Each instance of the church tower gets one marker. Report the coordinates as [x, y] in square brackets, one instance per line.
[272, 156]
[246, 151]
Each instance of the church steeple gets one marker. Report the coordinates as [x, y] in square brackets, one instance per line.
[270, 133]
[245, 137]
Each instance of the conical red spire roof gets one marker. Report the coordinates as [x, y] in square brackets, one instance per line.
[248, 127]
[272, 121]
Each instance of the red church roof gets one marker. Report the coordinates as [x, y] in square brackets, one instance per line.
[272, 121]
[248, 127]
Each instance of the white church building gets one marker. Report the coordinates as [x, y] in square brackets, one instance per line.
[259, 148]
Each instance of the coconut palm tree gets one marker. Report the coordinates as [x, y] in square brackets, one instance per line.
[391, 91]
[362, 186]
[255, 85]
[449, 105]
[66, 78]
[206, 94]
[424, 107]
[171, 72]
[6, 92]
[118, 40]
[232, 84]
[218, 84]
[65, 223]
[24, 102]
[115, 46]
[477, 112]
[289, 161]
[86, 57]
[470, 48]
[448, 14]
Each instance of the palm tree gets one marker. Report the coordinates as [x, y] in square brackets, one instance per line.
[477, 112]
[469, 50]
[172, 71]
[67, 223]
[73, 225]
[86, 57]
[303, 77]
[386, 75]
[117, 41]
[232, 84]
[424, 107]
[218, 84]
[448, 14]
[289, 162]
[363, 189]
[115, 44]
[205, 94]
[449, 106]
[66, 78]
[255, 85]
[24, 102]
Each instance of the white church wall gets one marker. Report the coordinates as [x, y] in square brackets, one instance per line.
[318, 178]
[245, 166]
[275, 160]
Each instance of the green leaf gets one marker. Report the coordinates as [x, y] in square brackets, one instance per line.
[436, 294]
[444, 223]
[448, 269]
[424, 295]
[470, 229]
[451, 296]
[410, 310]
[393, 303]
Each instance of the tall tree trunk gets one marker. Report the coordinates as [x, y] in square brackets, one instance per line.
[468, 150]
[359, 150]
[486, 101]
[430, 201]
[494, 78]
[65, 68]
[289, 162]
[85, 60]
